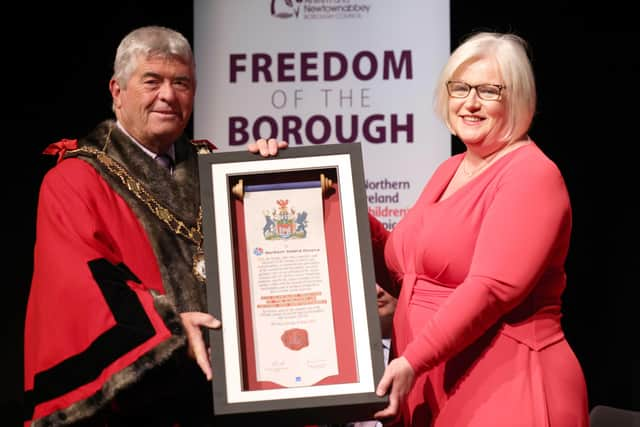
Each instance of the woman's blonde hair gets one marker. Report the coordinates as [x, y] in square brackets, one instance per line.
[510, 53]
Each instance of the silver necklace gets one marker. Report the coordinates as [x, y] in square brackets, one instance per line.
[467, 173]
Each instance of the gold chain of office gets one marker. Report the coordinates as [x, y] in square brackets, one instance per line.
[193, 234]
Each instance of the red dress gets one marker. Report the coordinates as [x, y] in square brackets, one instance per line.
[478, 316]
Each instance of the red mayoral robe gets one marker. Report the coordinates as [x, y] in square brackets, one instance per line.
[110, 276]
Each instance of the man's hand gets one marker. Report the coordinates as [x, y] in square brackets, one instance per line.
[399, 377]
[192, 322]
[267, 147]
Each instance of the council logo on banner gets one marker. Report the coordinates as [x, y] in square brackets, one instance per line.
[284, 223]
[320, 9]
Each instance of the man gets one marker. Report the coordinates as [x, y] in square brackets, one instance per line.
[117, 302]
[386, 308]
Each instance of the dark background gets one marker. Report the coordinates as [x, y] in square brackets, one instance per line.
[57, 60]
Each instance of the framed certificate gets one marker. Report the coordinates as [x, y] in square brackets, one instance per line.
[289, 272]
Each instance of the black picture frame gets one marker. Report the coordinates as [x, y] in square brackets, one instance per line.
[234, 402]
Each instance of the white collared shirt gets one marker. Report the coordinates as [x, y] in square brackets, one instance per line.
[171, 152]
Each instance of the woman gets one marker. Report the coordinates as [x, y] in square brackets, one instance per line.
[479, 263]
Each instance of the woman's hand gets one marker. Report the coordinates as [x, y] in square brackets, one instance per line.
[192, 321]
[398, 376]
[267, 147]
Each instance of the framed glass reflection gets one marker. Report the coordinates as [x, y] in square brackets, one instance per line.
[289, 272]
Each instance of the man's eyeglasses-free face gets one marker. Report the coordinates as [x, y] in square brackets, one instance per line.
[486, 91]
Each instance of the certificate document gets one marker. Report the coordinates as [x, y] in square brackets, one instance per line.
[291, 308]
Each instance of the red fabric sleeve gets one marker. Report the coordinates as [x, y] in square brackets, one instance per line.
[81, 222]
[379, 236]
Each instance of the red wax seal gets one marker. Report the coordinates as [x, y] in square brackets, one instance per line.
[295, 339]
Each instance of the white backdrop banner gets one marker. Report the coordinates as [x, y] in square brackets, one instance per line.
[328, 71]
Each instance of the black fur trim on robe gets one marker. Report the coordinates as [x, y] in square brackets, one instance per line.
[180, 193]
